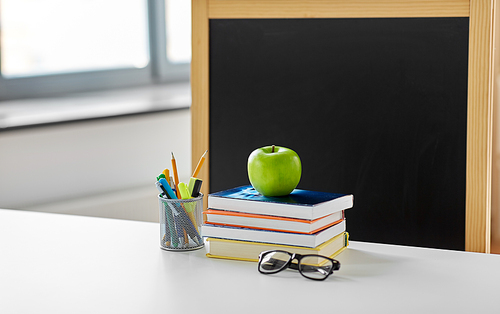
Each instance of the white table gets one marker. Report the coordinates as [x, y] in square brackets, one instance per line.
[52, 263]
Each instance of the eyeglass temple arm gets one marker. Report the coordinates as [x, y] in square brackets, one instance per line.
[336, 265]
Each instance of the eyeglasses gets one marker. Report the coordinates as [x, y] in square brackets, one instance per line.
[316, 267]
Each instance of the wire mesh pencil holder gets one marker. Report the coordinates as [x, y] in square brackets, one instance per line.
[180, 223]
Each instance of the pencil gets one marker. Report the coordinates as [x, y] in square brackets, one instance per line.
[176, 177]
[200, 163]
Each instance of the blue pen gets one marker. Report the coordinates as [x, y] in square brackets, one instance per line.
[171, 194]
[166, 186]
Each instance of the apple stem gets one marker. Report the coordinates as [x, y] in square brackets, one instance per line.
[272, 150]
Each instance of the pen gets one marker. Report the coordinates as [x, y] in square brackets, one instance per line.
[172, 184]
[162, 190]
[176, 177]
[200, 163]
[165, 228]
[168, 189]
[170, 219]
[171, 226]
[178, 223]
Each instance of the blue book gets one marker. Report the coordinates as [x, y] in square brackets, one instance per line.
[302, 204]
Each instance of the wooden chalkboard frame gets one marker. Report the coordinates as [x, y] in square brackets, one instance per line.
[480, 78]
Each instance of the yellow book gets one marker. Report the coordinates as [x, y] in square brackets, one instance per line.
[249, 251]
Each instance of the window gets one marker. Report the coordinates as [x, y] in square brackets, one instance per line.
[52, 47]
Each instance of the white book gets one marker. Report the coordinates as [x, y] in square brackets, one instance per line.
[276, 223]
[267, 236]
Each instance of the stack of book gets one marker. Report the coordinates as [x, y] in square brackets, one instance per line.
[240, 223]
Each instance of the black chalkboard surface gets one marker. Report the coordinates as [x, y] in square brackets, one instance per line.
[374, 107]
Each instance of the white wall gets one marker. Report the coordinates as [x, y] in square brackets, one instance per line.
[101, 168]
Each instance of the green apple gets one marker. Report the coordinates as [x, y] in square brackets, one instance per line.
[274, 170]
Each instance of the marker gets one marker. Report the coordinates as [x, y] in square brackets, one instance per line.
[200, 163]
[166, 186]
[192, 180]
[194, 186]
[183, 189]
[189, 207]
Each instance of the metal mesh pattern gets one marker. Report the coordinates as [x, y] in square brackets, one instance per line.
[180, 222]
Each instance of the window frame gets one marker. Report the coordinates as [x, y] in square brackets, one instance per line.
[158, 70]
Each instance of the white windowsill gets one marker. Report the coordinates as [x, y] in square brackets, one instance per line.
[16, 114]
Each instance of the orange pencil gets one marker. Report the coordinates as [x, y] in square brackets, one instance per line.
[176, 177]
[200, 163]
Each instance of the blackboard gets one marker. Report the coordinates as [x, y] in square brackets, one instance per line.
[376, 107]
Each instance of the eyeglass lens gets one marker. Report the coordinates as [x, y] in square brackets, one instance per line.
[315, 267]
[310, 266]
[273, 262]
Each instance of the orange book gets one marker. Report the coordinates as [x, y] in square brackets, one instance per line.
[273, 223]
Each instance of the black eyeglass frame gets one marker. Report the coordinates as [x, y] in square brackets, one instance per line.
[298, 257]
